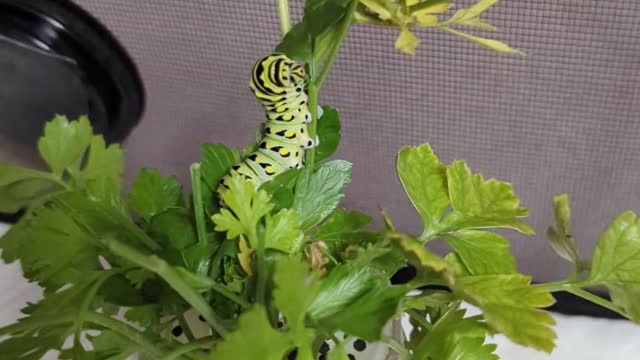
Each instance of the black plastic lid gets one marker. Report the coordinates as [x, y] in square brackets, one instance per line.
[55, 47]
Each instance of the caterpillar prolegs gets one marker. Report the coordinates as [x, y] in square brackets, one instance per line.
[279, 83]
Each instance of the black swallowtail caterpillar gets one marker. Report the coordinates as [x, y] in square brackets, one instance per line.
[279, 83]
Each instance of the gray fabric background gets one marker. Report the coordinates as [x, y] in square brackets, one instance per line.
[563, 119]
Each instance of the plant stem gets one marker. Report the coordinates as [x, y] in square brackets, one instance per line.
[340, 35]
[198, 205]
[166, 272]
[313, 109]
[124, 330]
[261, 276]
[562, 285]
[596, 300]
[285, 20]
[189, 347]
[224, 291]
[316, 80]
[396, 346]
[86, 302]
[420, 319]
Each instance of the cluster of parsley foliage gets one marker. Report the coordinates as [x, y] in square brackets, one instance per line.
[118, 271]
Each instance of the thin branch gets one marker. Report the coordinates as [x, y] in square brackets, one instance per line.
[156, 265]
[198, 205]
[190, 347]
[285, 18]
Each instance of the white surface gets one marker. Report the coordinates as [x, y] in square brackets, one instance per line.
[579, 338]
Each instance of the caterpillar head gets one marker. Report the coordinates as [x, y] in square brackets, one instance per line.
[276, 75]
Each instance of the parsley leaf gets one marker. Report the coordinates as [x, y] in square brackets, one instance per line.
[283, 231]
[329, 133]
[560, 236]
[319, 193]
[20, 187]
[51, 247]
[254, 338]
[64, 143]
[357, 300]
[511, 306]
[175, 227]
[341, 225]
[617, 256]
[246, 206]
[217, 160]
[479, 204]
[308, 38]
[455, 337]
[152, 194]
[295, 290]
[616, 262]
[482, 252]
[104, 162]
[424, 179]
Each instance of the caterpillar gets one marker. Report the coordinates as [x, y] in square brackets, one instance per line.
[279, 84]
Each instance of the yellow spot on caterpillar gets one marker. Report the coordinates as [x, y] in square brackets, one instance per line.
[287, 117]
[270, 170]
[289, 134]
[284, 152]
[281, 109]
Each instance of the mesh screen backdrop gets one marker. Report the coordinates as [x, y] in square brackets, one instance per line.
[563, 119]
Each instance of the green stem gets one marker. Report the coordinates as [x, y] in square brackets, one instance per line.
[316, 80]
[86, 303]
[58, 180]
[423, 5]
[596, 300]
[166, 272]
[340, 35]
[190, 347]
[224, 291]
[40, 322]
[124, 330]
[420, 319]
[198, 205]
[262, 276]
[313, 109]
[285, 19]
[563, 285]
[396, 346]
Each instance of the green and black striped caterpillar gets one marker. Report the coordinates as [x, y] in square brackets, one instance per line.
[279, 83]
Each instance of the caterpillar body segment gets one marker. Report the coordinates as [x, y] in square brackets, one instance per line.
[279, 84]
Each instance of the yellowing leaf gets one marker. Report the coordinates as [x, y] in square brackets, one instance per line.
[429, 7]
[418, 254]
[479, 23]
[407, 42]
[488, 43]
[617, 256]
[512, 307]
[472, 11]
[479, 203]
[560, 237]
[424, 179]
[627, 296]
[482, 252]
[427, 20]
